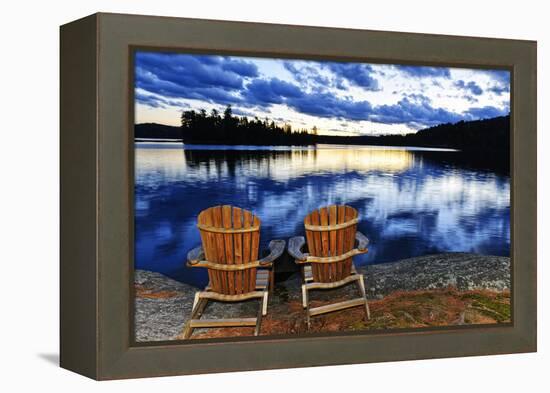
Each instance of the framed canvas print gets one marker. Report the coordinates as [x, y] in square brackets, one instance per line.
[240, 196]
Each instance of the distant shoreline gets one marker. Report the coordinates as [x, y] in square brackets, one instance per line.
[211, 146]
[159, 140]
[483, 136]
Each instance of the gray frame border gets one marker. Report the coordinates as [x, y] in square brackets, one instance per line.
[95, 297]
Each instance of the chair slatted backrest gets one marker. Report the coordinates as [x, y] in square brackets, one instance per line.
[334, 235]
[230, 235]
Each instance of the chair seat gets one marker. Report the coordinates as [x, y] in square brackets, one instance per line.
[262, 278]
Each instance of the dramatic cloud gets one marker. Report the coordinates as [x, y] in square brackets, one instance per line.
[423, 72]
[240, 67]
[157, 102]
[328, 105]
[419, 111]
[356, 74]
[501, 81]
[148, 100]
[500, 76]
[210, 78]
[307, 74]
[485, 112]
[329, 94]
[498, 90]
[273, 91]
[471, 86]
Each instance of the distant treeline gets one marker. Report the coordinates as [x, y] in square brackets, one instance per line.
[226, 129]
[487, 135]
[215, 128]
[157, 131]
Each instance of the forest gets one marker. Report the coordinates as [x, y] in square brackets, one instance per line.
[227, 129]
[200, 127]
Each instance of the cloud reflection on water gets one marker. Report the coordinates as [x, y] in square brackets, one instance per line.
[410, 202]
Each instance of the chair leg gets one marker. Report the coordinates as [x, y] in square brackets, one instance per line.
[195, 301]
[306, 305]
[264, 303]
[271, 281]
[188, 330]
[198, 308]
[201, 308]
[361, 285]
[259, 317]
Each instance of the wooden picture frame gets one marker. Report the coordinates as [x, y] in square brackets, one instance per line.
[97, 206]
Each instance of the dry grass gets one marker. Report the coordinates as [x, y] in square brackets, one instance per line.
[415, 309]
[147, 293]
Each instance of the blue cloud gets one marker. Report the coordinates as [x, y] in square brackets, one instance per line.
[226, 80]
[498, 90]
[187, 70]
[241, 112]
[328, 105]
[321, 80]
[264, 92]
[417, 97]
[299, 73]
[308, 76]
[204, 59]
[241, 68]
[419, 112]
[355, 73]
[502, 77]
[339, 83]
[285, 89]
[171, 89]
[471, 86]
[156, 102]
[148, 100]
[470, 98]
[215, 95]
[211, 78]
[485, 112]
[501, 81]
[259, 92]
[415, 109]
[424, 71]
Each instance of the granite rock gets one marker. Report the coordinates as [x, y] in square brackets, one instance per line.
[460, 270]
[162, 305]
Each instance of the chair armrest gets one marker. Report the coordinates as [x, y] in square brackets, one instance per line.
[276, 249]
[195, 256]
[362, 241]
[295, 245]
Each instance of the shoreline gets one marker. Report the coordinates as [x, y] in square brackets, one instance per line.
[215, 146]
[443, 282]
[465, 271]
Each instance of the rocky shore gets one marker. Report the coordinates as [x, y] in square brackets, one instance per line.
[463, 271]
[452, 288]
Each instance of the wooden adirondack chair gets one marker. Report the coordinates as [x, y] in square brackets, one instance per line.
[332, 241]
[230, 244]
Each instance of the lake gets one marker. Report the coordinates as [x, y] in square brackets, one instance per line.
[411, 201]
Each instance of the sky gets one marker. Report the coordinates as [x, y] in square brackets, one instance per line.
[339, 98]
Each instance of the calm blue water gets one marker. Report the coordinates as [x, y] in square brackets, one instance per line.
[411, 201]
